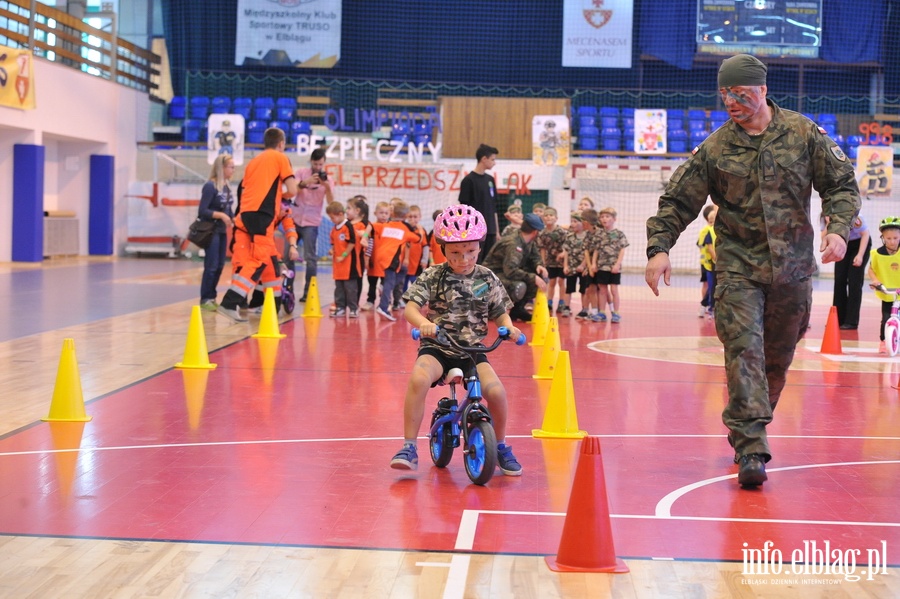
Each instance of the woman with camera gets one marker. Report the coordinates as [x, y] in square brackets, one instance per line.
[313, 192]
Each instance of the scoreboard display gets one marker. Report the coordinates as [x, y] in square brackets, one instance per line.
[760, 27]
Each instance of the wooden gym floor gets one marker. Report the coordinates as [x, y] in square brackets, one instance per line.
[269, 476]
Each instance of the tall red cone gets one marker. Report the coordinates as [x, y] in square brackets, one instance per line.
[587, 544]
[831, 341]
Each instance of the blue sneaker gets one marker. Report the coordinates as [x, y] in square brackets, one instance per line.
[508, 463]
[407, 458]
[598, 317]
[614, 317]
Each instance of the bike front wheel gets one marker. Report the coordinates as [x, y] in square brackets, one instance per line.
[892, 336]
[481, 452]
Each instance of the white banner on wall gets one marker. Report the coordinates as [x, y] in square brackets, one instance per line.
[597, 33]
[283, 33]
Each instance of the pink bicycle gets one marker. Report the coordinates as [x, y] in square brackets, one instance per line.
[892, 326]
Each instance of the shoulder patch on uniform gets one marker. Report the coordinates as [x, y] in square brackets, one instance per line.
[838, 153]
[821, 130]
[518, 249]
[695, 150]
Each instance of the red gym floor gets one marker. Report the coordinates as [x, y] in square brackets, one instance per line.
[288, 442]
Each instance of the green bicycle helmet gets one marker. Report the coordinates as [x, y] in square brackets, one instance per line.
[889, 222]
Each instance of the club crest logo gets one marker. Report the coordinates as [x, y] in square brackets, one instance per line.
[595, 14]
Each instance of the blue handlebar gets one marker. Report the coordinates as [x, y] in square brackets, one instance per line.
[416, 334]
[503, 332]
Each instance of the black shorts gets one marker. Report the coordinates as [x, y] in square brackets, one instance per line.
[577, 283]
[703, 272]
[606, 277]
[555, 272]
[448, 362]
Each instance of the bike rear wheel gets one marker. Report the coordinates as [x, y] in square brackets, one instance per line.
[481, 452]
[892, 336]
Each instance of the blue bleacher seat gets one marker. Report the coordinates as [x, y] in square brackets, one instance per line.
[587, 121]
[588, 143]
[263, 109]
[177, 107]
[301, 128]
[588, 131]
[195, 130]
[611, 138]
[256, 132]
[695, 125]
[587, 111]
[283, 125]
[285, 109]
[199, 107]
[698, 135]
[221, 105]
[628, 139]
[243, 107]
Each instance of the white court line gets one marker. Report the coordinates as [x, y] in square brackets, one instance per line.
[357, 439]
[664, 507]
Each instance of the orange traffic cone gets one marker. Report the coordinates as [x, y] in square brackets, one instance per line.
[587, 544]
[268, 322]
[550, 355]
[195, 352]
[67, 404]
[312, 309]
[831, 342]
[560, 418]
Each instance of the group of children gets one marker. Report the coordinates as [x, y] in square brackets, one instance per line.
[394, 249]
[586, 258]
[390, 252]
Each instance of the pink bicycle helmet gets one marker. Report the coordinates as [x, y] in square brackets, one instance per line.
[460, 223]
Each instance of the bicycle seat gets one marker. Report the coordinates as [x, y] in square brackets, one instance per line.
[453, 376]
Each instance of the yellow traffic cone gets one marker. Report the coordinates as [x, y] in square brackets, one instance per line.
[550, 355]
[560, 418]
[268, 322]
[67, 404]
[539, 334]
[195, 353]
[540, 316]
[313, 308]
[66, 441]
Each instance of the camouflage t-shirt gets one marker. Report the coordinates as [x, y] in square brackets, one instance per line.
[552, 244]
[510, 230]
[574, 246]
[461, 305]
[611, 242]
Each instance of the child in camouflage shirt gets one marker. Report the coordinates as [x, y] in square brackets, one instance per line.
[608, 256]
[550, 241]
[574, 264]
[461, 297]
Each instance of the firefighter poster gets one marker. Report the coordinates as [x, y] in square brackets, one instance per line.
[16, 78]
[874, 170]
[550, 140]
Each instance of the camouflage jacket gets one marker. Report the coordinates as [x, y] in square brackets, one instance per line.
[513, 259]
[459, 304]
[763, 226]
[552, 244]
[574, 247]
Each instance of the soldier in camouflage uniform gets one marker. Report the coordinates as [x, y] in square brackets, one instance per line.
[574, 263]
[461, 297]
[518, 264]
[759, 169]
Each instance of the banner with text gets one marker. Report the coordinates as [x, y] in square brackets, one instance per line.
[597, 33]
[284, 33]
[16, 78]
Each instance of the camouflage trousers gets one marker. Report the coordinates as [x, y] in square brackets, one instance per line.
[760, 326]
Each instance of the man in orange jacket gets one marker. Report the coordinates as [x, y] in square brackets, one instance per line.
[254, 257]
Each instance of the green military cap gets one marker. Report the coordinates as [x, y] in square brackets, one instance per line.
[742, 69]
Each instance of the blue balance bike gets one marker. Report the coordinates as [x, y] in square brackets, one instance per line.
[469, 423]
